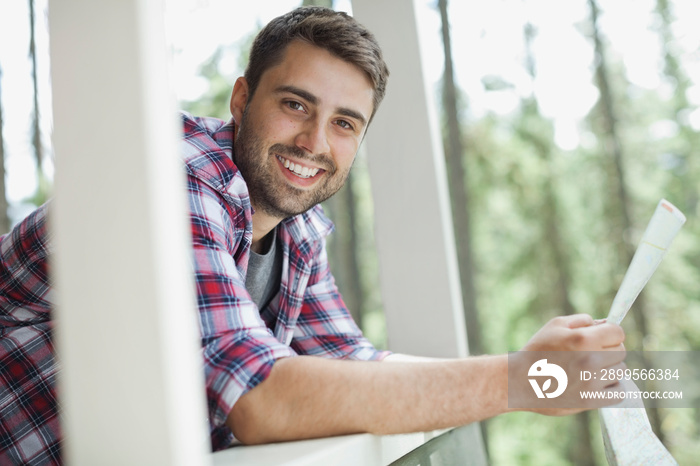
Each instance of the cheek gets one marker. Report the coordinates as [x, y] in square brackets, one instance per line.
[281, 124]
[345, 152]
[285, 124]
[276, 128]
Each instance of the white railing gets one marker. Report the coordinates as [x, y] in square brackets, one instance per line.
[350, 450]
[450, 447]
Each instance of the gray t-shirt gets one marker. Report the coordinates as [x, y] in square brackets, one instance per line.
[265, 273]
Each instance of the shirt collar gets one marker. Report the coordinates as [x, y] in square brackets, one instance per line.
[312, 224]
[207, 150]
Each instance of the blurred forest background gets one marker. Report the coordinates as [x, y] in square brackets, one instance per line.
[545, 224]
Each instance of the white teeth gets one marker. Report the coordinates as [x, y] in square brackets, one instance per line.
[303, 172]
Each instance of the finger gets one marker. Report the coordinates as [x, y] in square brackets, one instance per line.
[578, 320]
[618, 347]
[606, 335]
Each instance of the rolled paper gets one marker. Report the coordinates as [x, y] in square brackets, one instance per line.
[663, 227]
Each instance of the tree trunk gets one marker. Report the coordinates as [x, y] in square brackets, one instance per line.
[344, 250]
[580, 449]
[619, 207]
[459, 200]
[459, 193]
[4, 218]
[550, 208]
[36, 131]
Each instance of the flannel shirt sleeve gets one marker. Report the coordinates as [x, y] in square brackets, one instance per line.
[325, 327]
[24, 275]
[29, 420]
[239, 350]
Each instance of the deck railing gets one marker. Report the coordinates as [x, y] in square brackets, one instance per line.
[447, 448]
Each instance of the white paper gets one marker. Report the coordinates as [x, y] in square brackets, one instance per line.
[663, 227]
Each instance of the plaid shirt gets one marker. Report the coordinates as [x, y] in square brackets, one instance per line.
[240, 342]
[29, 424]
[308, 316]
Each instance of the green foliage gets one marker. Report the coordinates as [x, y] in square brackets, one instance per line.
[530, 439]
[214, 101]
[523, 185]
[43, 191]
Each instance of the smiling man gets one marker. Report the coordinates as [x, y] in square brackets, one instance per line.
[266, 293]
[299, 131]
[276, 335]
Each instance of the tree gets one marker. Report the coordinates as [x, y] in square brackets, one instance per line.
[4, 218]
[459, 196]
[215, 100]
[688, 168]
[42, 192]
[534, 129]
[459, 191]
[619, 206]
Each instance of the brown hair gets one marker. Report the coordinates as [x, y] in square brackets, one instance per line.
[334, 31]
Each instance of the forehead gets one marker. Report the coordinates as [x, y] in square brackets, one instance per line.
[333, 81]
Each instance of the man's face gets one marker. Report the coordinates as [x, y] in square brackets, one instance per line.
[299, 133]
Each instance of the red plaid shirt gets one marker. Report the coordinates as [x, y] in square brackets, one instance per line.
[29, 425]
[240, 342]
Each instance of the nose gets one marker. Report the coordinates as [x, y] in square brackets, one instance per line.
[313, 138]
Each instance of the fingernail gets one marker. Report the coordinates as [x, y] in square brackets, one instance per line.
[599, 321]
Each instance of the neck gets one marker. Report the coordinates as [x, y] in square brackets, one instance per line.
[262, 225]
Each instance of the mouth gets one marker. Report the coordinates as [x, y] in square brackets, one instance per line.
[298, 169]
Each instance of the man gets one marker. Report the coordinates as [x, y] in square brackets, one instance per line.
[267, 301]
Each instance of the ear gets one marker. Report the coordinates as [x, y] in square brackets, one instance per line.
[239, 99]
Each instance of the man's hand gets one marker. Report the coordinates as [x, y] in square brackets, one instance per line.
[578, 332]
[594, 345]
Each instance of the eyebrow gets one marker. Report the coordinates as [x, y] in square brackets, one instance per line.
[311, 98]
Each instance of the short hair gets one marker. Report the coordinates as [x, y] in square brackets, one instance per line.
[336, 32]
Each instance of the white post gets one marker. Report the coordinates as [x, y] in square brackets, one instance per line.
[415, 241]
[131, 383]
[413, 223]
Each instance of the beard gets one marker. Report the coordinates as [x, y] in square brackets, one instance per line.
[269, 191]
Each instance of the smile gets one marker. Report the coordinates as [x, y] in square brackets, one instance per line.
[298, 169]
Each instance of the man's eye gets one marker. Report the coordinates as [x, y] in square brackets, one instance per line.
[294, 105]
[344, 124]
